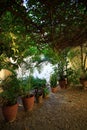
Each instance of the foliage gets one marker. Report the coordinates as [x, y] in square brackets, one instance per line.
[78, 60]
[10, 90]
[6, 63]
[73, 76]
[63, 64]
[45, 91]
[58, 20]
[84, 58]
[26, 85]
[53, 80]
[39, 83]
[83, 76]
[15, 41]
[32, 30]
[38, 24]
[60, 61]
[25, 31]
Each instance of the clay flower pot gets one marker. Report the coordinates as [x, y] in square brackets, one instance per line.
[54, 89]
[85, 84]
[28, 102]
[39, 98]
[10, 112]
[63, 83]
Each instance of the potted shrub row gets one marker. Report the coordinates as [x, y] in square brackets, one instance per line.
[13, 88]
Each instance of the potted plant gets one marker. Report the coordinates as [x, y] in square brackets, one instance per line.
[62, 72]
[9, 97]
[53, 82]
[46, 92]
[45, 89]
[38, 86]
[42, 89]
[26, 94]
[62, 81]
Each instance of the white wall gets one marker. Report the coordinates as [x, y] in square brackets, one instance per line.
[46, 70]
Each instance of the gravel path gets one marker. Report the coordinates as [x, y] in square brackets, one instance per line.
[65, 110]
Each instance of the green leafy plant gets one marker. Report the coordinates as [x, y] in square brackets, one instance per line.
[26, 85]
[53, 80]
[45, 91]
[39, 85]
[10, 90]
[83, 76]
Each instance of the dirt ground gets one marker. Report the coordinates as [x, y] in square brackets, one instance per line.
[65, 110]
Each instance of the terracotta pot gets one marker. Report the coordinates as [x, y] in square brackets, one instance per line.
[39, 98]
[54, 89]
[85, 84]
[46, 96]
[28, 103]
[63, 83]
[10, 112]
[81, 81]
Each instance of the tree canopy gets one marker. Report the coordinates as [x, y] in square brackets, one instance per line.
[40, 23]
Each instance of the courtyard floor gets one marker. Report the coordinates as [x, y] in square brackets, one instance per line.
[65, 110]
